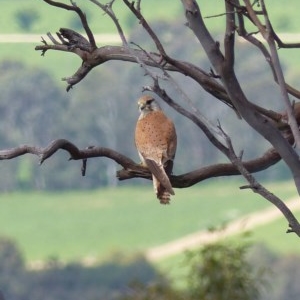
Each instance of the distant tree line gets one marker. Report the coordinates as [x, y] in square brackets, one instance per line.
[221, 271]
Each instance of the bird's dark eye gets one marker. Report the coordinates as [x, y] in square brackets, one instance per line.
[148, 102]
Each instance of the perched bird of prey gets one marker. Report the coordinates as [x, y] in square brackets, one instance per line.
[156, 141]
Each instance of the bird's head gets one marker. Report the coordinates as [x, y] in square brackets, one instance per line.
[147, 104]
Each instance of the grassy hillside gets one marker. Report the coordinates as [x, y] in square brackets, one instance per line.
[47, 18]
[73, 225]
[274, 236]
[284, 17]
[51, 18]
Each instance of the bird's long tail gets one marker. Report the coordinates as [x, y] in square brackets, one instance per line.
[159, 173]
[162, 194]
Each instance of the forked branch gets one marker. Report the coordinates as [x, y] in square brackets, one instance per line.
[256, 187]
[82, 16]
[224, 67]
[91, 56]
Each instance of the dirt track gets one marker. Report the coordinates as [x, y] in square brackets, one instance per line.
[107, 38]
[36, 38]
[197, 239]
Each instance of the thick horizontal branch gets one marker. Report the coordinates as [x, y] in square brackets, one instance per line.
[135, 170]
[75, 153]
[186, 180]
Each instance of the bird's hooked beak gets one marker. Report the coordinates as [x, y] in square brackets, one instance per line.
[141, 106]
[145, 104]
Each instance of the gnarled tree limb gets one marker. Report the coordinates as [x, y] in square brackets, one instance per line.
[92, 56]
[136, 170]
[256, 187]
[224, 67]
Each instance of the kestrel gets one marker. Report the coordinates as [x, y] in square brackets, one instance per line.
[156, 141]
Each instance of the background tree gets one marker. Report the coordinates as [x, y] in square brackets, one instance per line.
[26, 18]
[222, 271]
[222, 82]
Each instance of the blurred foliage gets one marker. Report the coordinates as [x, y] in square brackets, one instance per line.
[54, 280]
[12, 270]
[26, 18]
[221, 271]
[224, 270]
[74, 281]
[154, 291]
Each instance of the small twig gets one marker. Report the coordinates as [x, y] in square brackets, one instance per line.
[229, 39]
[146, 26]
[138, 5]
[216, 16]
[211, 131]
[279, 74]
[254, 41]
[84, 162]
[109, 11]
[256, 187]
[81, 15]
[52, 39]
[281, 44]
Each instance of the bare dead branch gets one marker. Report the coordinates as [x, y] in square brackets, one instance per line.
[256, 187]
[109, 11]
[107, 53]
[234, 90]
[195, 117]
[242, 11]
[73, 42]
[136, 170]
[100, 56]
[81, 15]
[282, 44]
[149, 30]
[75, 153]
[279, 74]
[273, 60]
[138, 5]
[73, 39]
[229, 35]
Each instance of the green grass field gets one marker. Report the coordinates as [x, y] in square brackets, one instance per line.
[73, 225]
[49, 18]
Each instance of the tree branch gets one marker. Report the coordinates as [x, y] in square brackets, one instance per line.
[256, 187]
[136, 170]
[229, 34]
[242, 11]
[81, 15]
[268, 33]
[279, 74]
[71, 41]
[108, 10]
[237, 96]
